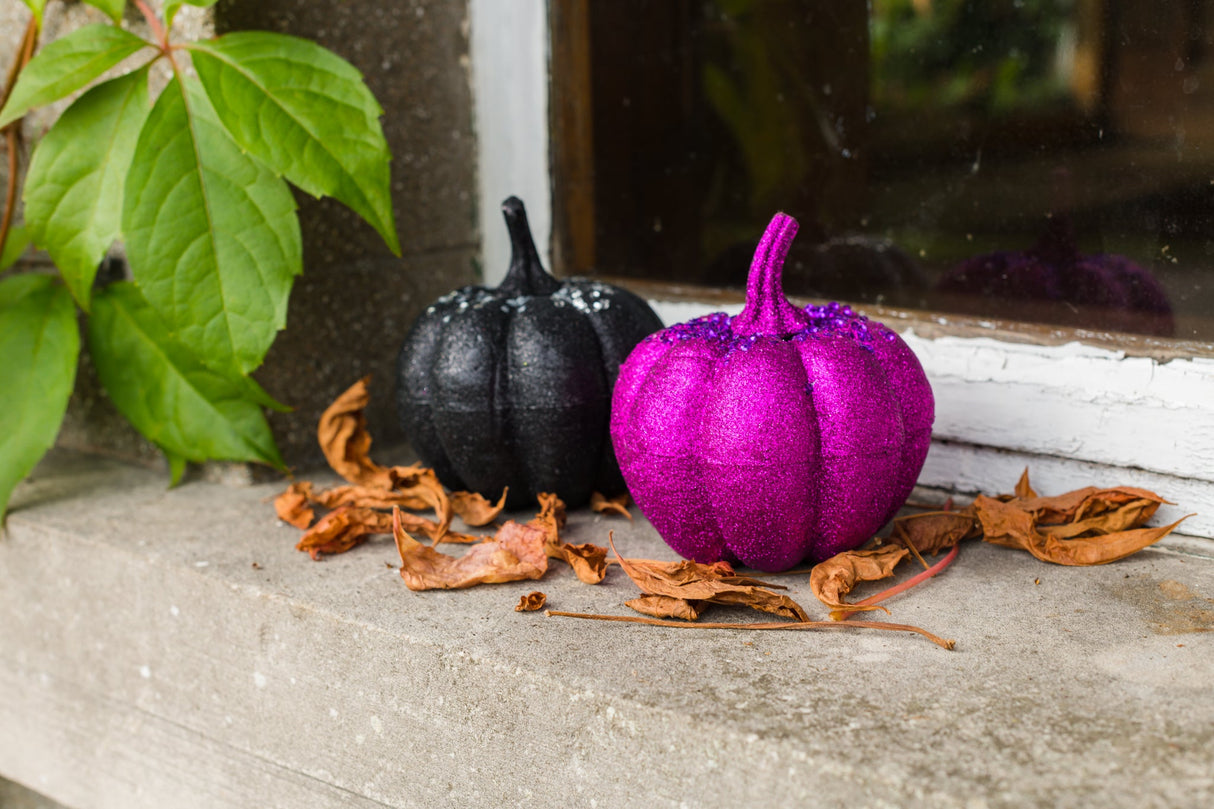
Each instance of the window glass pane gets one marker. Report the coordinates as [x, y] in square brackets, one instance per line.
[1040, 160]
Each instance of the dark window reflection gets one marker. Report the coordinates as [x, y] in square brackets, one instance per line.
[1025, 159]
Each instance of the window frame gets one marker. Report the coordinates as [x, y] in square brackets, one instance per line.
[1076, 407]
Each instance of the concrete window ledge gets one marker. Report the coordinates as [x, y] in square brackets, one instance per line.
[171, 649]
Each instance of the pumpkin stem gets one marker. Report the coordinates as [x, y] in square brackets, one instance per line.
[767, 310]
[526, 275]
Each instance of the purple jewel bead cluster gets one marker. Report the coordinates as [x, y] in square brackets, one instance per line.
[776, 436]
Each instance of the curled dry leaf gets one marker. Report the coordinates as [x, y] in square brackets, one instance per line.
[344, 439]
[475, 510]
[342, 529]
[342, 433]
[610, 505]
[589, 561]
[292, 505]
[924, 575]
[837, 576]
[420, 485]
[516, 552]
[668, 607]
[1023, 488]
[715, 583]
[1010, 525]
[934, 531]
[531, 602]
[552, 508]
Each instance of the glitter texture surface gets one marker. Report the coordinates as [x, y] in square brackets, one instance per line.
[511, 386]
[774, 437]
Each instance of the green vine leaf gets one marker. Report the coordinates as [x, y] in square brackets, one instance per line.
[73, 190]
[14, 246]
[111, 8]
[211, 234]
[306, 113]
[67, 64]
[39, 344]
[37, 7]
[186, 409]
[173, 6]
[176, 467]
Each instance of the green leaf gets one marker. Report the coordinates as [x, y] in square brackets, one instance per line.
[67, 64]
[36, 6]
[73, 191]
[113, 8]
[39, 344]
[186, 409]
[176, 467]
[211, 234]
[172, 6]
[307, 114]
[14, 246]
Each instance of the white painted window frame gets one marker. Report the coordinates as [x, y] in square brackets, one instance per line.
[1075, 414]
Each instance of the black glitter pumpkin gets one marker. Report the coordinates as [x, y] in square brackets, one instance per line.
[512, 386]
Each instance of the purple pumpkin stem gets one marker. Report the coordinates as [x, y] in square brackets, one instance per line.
[767, 310]
[526, 275]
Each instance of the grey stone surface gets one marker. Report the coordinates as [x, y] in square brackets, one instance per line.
[171, 649]
[15, 796]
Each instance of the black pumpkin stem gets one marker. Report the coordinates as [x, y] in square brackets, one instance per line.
[526, 275]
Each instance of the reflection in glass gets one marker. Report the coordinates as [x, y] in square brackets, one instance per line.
[1042, 160]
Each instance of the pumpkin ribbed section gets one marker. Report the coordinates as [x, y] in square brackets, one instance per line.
[510, 387]
[776, 436]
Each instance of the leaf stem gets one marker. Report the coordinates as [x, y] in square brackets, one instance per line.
[843, 615]
[12, 133]
[636, 619]
[158, 30]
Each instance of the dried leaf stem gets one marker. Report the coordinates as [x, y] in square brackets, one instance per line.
[12, 132]
[636, 619]
[842, 615]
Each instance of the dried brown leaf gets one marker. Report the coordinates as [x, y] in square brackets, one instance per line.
[668, 607]
[588, 561]
[342, 433]
[368, 497]
[1023, 488]
[1131, 514]
[1086, 503]
[1010, 525]
[456, 538]
[834, 578]
[342, 529]
[934, 531]
[292, 505]
[515, 552]
[531, 602]
[610, 505]
[475, 510]
[715, 583]
[551, 508]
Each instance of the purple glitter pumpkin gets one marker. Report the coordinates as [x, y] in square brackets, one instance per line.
[778, 435]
